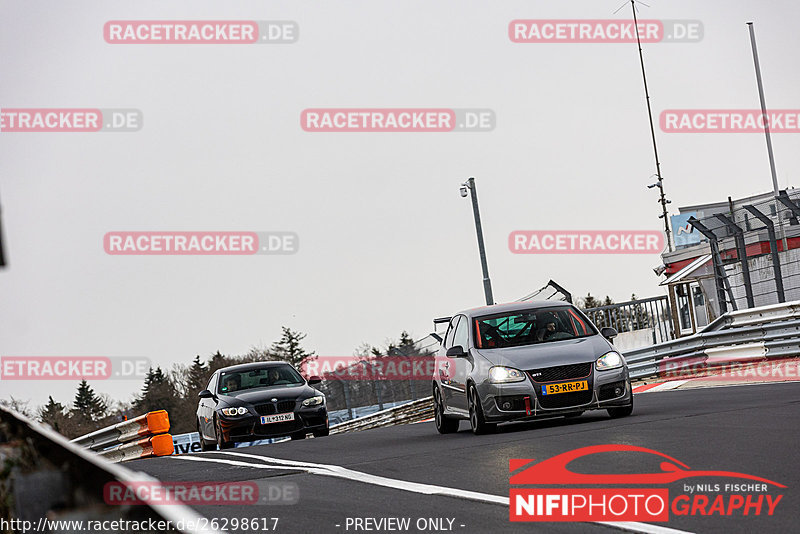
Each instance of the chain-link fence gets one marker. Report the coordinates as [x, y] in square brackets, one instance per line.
[380, 382]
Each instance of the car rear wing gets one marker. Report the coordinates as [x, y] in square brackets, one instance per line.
[436, 323]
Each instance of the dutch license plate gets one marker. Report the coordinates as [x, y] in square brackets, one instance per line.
[277, 418]
[565, 387]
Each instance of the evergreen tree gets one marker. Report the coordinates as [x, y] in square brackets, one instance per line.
[288, 348]
[217, 361]
[590, 302]
[53, 414]
[87, 405]
[196, 377]
[158, 393]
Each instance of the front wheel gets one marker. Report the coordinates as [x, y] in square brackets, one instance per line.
[625, 411]
[444, 424]
[204, 445]
[221, 443]
[476, 419]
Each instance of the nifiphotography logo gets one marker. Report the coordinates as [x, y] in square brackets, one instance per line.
[548, 491]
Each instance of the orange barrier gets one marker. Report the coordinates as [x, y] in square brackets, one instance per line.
[139, 437]
[159, 445]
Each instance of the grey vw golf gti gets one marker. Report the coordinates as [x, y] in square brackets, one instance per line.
[525, 360]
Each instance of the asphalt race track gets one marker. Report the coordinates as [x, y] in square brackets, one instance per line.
[751, 429]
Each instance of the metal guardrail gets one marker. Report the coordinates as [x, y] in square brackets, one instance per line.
[765, 332]
[410, 412]
[773, 312]
[51, 483]
[140, 437]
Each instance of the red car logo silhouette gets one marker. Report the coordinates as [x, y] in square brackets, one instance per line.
[554, 470]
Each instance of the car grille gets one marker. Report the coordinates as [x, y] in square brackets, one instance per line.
[607, 390]
[565, 400]
[273, 429]
[271, 408]
[561, 372]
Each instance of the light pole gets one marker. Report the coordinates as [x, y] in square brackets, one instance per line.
[487, 284]
[660, 184]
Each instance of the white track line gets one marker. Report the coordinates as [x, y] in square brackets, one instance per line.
[415, 487]
[342, 472]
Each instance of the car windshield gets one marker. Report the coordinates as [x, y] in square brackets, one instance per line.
[530, 327]
[263, 377]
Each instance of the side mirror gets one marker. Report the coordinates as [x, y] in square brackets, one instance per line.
[314, 380]
[608, 332]
[205, 394]
[455, 352]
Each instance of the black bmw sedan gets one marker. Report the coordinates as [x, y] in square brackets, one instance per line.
[259, 400]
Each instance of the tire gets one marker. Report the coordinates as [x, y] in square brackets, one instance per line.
[322, 432]
[571, 415]
[444, 424]
[204, 446]
[476, 419]
[222, 444]
[298, 435]
[625, 411]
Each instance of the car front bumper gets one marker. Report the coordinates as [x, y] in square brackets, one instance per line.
[249, 427]
[507, 402]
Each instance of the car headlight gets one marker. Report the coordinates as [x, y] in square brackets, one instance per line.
[234, 411]
[503, 375]
[314, 401]
[609, 360]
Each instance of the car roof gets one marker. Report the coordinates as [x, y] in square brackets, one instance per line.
[514, 306]
[253, 365]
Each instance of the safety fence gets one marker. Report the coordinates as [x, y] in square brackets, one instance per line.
[140, 437]
[648, 318]
[49, 484]
[768, 332]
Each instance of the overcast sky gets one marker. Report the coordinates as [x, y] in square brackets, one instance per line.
[386, 242]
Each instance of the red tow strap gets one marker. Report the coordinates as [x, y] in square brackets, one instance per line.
[527, 405]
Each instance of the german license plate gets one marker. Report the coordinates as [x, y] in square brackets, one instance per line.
[277, 418]
[565, 387]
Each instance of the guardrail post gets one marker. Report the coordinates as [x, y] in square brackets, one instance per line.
[741, 249]
[715, 261]
[346, 390]
[773, 245]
